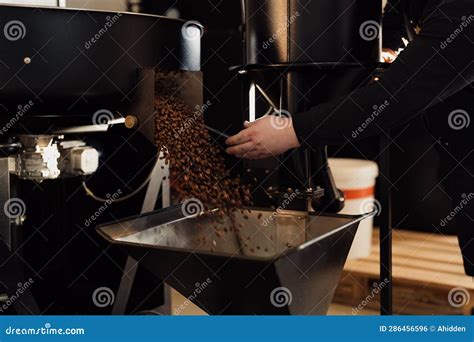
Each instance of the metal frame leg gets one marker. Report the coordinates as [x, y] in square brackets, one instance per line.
[159, 180]
[386, 298]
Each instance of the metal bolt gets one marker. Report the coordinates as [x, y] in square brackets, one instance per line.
[27, 60]
[131, 121]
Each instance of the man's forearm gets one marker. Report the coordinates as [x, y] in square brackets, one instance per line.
[437, 64]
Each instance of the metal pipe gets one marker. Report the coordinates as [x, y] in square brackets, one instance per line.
[268, 99]
[12, 145]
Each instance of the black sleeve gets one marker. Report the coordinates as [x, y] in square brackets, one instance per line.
[394, 27]
[437, 64]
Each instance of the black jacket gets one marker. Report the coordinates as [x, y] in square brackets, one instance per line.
[437, 67]
[400, 19]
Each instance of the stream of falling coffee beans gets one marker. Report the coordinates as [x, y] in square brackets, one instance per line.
[197, 169]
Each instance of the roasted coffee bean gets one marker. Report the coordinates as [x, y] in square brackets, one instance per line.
[197, 168]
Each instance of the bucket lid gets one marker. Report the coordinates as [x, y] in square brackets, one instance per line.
[343, 168]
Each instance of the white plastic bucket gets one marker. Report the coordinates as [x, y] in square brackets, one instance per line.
[357, 178]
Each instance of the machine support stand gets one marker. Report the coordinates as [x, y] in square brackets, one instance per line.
[159, 181]
[386, 305]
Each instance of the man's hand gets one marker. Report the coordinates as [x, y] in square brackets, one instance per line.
[269, 136]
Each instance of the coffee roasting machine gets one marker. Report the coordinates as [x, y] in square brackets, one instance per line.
[58, 160]
[77, 96]
[286, 261]
[298, 54]
[293, 62]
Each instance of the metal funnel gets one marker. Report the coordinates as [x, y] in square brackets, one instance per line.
[275, 263]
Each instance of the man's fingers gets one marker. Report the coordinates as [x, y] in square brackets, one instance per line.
[240, 138]
[241, 149]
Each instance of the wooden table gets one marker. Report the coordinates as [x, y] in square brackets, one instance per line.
[428, 277]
